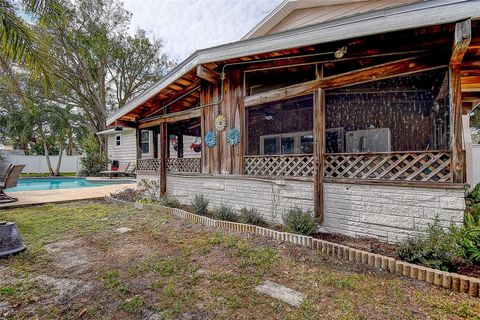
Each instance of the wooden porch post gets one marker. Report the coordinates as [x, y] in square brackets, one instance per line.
[163, 160]
[318, 150]
[462, 38]
[155, 143]
[139, 143]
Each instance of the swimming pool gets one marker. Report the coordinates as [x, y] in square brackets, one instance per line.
[29, 184]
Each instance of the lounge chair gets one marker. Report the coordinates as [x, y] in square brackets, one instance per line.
[10, 181]
[126, 171]
[4, 170]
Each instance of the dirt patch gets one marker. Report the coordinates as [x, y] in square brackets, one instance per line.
[361, 243]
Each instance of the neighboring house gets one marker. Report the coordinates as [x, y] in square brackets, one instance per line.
[357, 110]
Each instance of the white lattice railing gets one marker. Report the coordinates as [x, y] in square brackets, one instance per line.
[149, 166]
[292, 165]
[404, 166]
[184, 165]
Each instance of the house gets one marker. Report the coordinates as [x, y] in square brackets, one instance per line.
[357, 110]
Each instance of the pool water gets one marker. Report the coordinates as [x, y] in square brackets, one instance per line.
[29, 184]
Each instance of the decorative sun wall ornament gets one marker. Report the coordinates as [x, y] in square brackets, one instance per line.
[233, 136]
[211, 139]
[220, 122]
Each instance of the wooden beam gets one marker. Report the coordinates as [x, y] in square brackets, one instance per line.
[383, 71]
[318, 150]
[470, 96]
[174, 117]
[461, 41]
[458, 155]
[282, 93]
[470, 84]
[163, 158]
[208, 74]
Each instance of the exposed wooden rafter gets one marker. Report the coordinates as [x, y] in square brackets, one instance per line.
[462, 38]
[207, 74]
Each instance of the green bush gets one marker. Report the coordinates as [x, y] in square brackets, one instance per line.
[474, 195]
[251, 216]
[199, 205]
[93, 160]
[468, 238]
[169, 202]
[226, 213]
[298, 221]
[436, 249]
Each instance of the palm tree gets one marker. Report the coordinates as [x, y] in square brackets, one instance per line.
[19, 43]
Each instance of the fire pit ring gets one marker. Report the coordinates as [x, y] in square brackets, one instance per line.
[10, 240]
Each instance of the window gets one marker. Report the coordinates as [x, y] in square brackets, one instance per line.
[118, 140]
[288, 143]
[283, 127]
[145, 141]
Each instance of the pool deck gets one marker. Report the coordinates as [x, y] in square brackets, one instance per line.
[28, 198]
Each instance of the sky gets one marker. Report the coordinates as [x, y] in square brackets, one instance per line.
[188, 25]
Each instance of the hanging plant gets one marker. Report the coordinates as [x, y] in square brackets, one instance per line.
[233, 136]
[220, 122]
[174, 143]
[197, 144]
[211, 139]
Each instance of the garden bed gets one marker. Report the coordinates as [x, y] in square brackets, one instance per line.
[447, 280]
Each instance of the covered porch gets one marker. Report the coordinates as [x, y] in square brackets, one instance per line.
[386, 112]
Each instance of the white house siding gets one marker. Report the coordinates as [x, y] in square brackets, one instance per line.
[387, 213]
[127, 152]
[304, 17]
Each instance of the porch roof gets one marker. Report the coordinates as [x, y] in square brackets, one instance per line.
[183, 79]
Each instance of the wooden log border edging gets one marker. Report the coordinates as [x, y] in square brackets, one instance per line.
[447, 280]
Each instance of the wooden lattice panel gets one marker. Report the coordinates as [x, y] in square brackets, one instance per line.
[185, 165]
[297, 165]
[405, 166]
[148, 165]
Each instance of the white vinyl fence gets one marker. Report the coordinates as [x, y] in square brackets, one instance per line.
[38, 164]
[476, 163]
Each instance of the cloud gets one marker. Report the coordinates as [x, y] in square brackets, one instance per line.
[189, 25]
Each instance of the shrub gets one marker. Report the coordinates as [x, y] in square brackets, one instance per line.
[251, 216]
[169, 202]
[127, 194]
[93, 160]
[436, 249]
[474, 195]
[226, 213]
[199, 204]
[149, 188]
[468, 239]
[298, 221]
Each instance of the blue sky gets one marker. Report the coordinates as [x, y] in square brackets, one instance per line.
[188, 25]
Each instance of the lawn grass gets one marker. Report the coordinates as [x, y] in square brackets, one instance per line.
[47, 174]
[174, 269]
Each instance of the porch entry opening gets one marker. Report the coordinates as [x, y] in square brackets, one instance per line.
[184, 149]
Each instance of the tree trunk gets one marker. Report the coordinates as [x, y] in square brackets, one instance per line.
[59, 162]
[47, 157]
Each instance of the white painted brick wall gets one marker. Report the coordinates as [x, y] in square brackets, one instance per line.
[387, 213]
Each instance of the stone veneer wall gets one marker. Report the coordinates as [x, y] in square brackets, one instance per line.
[388, 213]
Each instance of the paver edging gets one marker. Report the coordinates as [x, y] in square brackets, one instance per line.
[447, 280]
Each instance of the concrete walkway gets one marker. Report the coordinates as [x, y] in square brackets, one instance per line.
[26, 198]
